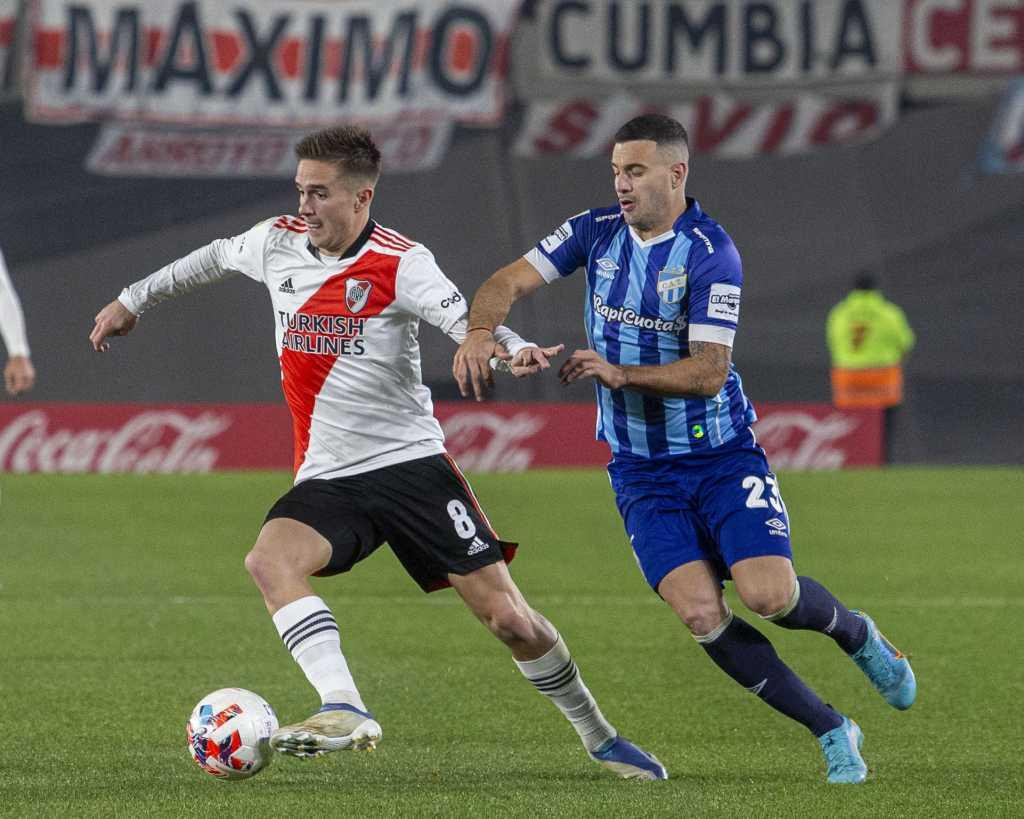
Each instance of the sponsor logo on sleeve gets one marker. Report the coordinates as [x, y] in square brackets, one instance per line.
[555, 240]
[453, 299]
[706, 240]
[724, 302]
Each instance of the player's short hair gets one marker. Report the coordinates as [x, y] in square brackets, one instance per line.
[658, 128]
[350, 147]
[865, 280]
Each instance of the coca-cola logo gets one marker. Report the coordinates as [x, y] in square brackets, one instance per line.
[488, 442]
[156, 441]
[798, 440]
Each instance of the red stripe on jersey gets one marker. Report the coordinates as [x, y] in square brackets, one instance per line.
[383, 243]
[294, 225]
[395, 237]
[303, 374]
[384, 239]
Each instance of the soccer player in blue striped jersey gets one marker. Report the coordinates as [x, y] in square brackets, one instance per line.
[696, 493]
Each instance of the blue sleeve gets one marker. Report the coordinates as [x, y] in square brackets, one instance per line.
[716, 283]
[565, 249]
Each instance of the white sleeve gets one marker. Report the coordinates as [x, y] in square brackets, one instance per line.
[423, 290]
[218, 260]
[12, 320]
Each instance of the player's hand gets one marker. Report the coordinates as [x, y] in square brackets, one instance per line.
[531, 360]
[472, 364]
[588, 364]
[113, 320]
[19, 374]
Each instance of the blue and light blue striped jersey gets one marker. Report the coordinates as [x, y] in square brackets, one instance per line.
[646, 300]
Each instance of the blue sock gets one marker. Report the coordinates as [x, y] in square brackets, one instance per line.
[818, 610]
[742, 652]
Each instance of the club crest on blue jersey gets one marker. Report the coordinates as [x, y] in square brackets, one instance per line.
[672, 284]
[357, 291]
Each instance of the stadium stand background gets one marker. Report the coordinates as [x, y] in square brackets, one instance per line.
[949, 244]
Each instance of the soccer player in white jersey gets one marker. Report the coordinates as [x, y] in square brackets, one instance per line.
[370, 466]
[698, 499]
[19, 374]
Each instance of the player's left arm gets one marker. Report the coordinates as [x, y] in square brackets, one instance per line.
[702, 374]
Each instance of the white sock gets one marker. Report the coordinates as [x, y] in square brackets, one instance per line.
[556, 677]
[310, 633]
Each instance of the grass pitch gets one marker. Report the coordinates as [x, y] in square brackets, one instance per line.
[123, 600]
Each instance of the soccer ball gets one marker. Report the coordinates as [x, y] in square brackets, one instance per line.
[229, 733]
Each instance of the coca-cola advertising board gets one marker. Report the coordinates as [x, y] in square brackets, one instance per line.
[489, 437]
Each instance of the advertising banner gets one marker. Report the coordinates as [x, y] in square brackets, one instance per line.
[695, 46]
[489, 437]
[983, 37]
[142, 150]
[8, 53]
[718, 125]
[290, 63]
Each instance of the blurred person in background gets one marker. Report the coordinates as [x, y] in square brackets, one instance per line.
[370, 465]
[696, 493]
[19, 374]
[868, 338]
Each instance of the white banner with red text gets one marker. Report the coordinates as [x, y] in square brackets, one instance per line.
[143, 150]
[289, 63]
[717, 125]
[489, 437]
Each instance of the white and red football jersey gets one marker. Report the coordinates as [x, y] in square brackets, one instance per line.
[346, 332]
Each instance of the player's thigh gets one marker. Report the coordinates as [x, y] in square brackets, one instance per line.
[663, 533]
[433, 521]
[742, 507]
[694, 591]
[321, 522]
[289, 546]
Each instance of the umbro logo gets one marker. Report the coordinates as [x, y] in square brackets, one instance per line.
[606, 268]
[477, 546]
[286, 286]
[776, 526]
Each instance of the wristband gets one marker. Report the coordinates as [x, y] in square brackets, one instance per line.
[471, 329]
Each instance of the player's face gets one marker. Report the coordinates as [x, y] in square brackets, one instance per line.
[335, 208]
[649, 184]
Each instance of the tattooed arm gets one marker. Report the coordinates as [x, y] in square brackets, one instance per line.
[702, 374]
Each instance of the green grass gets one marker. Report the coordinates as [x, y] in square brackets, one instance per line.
[123, 600]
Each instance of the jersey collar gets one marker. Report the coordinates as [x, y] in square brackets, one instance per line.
[352, 249]
[686, 218]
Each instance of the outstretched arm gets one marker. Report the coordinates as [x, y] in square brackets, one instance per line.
[702, 374]
[491, 304]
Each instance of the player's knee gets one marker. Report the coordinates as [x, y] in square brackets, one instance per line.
[766, 600]
[263, 567]
[702, 618]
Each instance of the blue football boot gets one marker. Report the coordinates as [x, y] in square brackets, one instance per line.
[884, 664]
[841, 747]
[628, 761]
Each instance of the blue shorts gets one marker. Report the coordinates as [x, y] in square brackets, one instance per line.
[722, 506]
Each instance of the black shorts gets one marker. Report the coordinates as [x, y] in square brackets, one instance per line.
[424, 509]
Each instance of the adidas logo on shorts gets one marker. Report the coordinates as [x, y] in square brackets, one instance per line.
[477, 546]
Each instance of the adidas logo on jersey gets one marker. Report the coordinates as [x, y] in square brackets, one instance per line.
[286, 286]
[476, 547]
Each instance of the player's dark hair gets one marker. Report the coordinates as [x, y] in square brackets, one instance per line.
[349, 147]
[658, 128]
[865, 280]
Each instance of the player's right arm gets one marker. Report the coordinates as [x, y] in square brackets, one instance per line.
[556, 256]
[218, 260]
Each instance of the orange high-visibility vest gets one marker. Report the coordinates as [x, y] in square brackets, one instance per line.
[868, 387]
